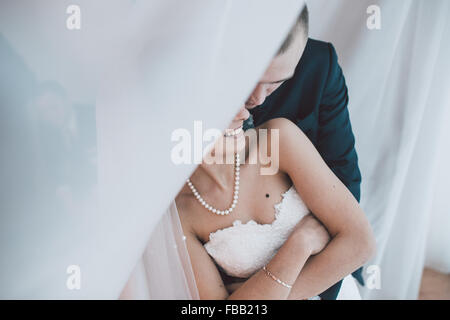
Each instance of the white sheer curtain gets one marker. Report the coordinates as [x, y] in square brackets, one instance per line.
[438, 242]
[164, 270]
[86, 118]
[398, 79]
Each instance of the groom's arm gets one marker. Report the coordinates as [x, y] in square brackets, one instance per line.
[336, 142]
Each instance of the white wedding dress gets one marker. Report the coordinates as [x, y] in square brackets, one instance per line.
[244, 248]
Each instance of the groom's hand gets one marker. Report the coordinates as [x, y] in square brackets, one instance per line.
[312, 234]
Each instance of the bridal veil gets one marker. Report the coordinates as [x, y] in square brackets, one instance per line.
[164, 270]
[87, 114]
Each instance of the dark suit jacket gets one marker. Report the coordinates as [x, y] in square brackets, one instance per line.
[316, 100]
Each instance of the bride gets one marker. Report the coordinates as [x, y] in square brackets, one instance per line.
[289, 235]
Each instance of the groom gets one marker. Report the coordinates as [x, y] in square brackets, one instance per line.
[304, 83]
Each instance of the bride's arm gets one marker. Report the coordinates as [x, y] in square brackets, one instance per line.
[309, 237]
[332, 203]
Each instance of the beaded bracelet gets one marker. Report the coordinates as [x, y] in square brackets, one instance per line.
[276, 279]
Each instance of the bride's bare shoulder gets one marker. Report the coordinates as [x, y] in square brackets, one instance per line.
[185, 206]
[279, 123]
[284, 128]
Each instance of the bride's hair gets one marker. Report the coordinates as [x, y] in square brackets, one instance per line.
[301, 25]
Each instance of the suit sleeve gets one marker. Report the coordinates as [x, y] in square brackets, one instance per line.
[336, 142]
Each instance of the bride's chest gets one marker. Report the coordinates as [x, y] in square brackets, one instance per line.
[244, 213]
[244, 247]
[256, 205]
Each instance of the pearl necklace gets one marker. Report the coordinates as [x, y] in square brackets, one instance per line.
[232, 132]
[237, 163]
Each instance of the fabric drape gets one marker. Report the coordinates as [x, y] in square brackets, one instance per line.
[398, 78]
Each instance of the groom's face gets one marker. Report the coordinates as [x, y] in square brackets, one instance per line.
[280, 69]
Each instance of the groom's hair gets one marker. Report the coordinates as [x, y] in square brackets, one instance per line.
[301, 26]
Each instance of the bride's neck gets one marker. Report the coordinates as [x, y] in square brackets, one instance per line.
[208, 176]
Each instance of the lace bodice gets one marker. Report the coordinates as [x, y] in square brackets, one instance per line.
[244, 248]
